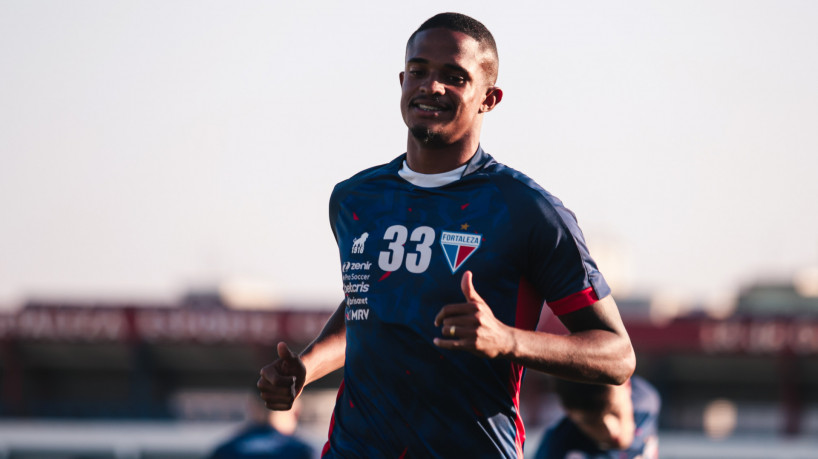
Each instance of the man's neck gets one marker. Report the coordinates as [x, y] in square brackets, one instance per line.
[435, 160]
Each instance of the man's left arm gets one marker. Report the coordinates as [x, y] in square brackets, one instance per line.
[597, 350]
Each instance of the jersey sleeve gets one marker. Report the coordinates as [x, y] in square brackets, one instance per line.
[556, 258]
[560, 263]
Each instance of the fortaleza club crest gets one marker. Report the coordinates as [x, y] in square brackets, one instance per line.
[458, 247]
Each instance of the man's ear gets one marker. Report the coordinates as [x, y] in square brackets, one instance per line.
[493, 97]
[400, 77]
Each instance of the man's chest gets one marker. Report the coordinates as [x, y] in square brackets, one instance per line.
[411, 248]
[396, 232]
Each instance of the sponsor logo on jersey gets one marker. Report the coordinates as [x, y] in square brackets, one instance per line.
[348, 266]
[358, 243]
[357, 301]
[355, 277]
[458, 247]
[356, 314]
[360, 287]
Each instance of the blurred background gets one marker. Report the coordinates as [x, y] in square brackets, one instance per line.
[165, 168]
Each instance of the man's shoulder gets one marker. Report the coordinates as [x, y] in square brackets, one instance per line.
[387, 168]
[523, 194]
[517, 183]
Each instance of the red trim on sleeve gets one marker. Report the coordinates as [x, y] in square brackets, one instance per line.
[574, 302]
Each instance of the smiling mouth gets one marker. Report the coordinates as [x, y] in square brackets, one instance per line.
[429, 108]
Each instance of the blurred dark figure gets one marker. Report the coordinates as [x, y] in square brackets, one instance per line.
[268, 435]
[604, 421]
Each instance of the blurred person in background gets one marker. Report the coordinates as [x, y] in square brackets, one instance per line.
[267, 435]
[447, 257]
[604, 421]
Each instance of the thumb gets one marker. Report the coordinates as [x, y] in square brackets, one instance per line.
[284, 352]
[468, 288]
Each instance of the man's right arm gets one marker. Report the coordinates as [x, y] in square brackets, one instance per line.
[282, 381]
[326, 353]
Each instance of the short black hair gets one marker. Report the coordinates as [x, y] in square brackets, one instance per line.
[581, 396]
[464, 24]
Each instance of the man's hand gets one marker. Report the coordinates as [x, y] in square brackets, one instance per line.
[471, 326]
[281, 381]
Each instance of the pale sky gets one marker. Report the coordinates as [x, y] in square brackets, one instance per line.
[149, 147]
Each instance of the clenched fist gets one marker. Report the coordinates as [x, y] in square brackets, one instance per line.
[281, 381]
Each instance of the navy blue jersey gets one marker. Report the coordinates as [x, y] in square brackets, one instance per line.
[261, 441]
[566, 441]
[403, 251]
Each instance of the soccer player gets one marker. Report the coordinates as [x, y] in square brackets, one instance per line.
[446, 258]
[602, 421]
[267, 435]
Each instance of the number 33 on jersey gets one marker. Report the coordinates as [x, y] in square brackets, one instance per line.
[457, 247]
[411, 249]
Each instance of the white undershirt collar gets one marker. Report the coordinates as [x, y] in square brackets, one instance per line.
[430, 180]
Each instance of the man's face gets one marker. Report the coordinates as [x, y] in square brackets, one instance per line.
[444, 87]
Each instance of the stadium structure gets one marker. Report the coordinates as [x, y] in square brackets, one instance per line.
[170, 380]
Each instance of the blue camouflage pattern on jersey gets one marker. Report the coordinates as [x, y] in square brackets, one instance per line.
[402, 396]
